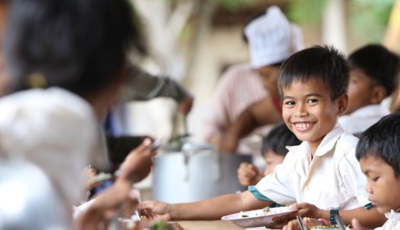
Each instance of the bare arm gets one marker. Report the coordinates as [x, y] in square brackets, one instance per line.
[210, 209]
[256, 115]
[367, 217]
[143, 86]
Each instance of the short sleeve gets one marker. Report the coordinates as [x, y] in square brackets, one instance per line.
[278, 186]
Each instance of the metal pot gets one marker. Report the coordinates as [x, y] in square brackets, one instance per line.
[196, 172]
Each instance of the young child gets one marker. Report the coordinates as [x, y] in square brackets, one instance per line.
[373, 73]
[273, 150]
[322, 171]
[378, 152]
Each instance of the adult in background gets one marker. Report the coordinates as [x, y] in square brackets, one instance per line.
[239, 111]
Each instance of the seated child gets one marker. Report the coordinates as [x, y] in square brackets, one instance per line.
[373, 72]
[273, 150]
[322, 171]
[378, 152]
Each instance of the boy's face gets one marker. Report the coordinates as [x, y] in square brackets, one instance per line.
[272, 159]
[4, 7]
[382, 184]
[309, 112]
[269, 77]
[361, 91]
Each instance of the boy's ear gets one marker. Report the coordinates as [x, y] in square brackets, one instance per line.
[343, 102]
[378, 94]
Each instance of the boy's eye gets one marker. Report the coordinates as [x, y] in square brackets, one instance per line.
[312, 101]
[289, 103]
[374, 179]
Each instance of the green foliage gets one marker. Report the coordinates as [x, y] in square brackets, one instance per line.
[231, 5]
[369, 18]
[306, 11]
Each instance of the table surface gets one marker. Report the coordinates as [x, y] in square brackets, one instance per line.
[209, 225]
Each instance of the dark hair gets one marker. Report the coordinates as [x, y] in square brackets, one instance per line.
[378, 63]
[277, 140]
[323, 63]
[382, 141]
[78, 45]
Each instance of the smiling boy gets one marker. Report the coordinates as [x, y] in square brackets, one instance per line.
[322, 172]
[378, 153]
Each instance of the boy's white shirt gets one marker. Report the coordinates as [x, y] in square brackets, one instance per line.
[333, 179]
[393, 221]
[56, 130]
[363, 118]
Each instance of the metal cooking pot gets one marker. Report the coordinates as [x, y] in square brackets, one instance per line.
[196, 172]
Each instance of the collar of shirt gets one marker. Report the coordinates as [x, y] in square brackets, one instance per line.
[326, 145]
[393, 215]
[370, 111]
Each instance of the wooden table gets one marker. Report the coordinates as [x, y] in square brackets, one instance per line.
[209, 225]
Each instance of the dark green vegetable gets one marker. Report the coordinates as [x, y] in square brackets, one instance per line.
[160, 225]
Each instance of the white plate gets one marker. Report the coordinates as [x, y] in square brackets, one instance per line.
[258, 218]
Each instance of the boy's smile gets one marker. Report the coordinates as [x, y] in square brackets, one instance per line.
[382, 184]
[309, 112]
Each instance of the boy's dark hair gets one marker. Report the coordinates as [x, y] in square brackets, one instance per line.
[277, 140]
[322, 63]
[77, 45]
[382, 141]
[378, 63]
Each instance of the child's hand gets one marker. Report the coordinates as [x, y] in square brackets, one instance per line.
[137, 164]
[248, 174]
[90, 173]
[308, 222]
[155, 210]
[292, 225]
[306, 209]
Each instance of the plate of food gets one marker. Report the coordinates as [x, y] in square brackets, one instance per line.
[261, 217]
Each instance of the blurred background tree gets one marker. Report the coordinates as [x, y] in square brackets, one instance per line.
[367, 18]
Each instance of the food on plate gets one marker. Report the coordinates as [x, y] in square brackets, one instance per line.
[261, 217]
[262, 212]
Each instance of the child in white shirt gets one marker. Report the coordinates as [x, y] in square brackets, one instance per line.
[378, 152]
[373, 73]
[322, 170]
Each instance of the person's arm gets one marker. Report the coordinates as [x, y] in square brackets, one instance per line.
[142, 86]
[256, 115]
[210, 209]
[367, 217]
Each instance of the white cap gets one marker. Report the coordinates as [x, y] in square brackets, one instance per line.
[272, 38]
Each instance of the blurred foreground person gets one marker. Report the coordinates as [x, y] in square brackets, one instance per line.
[28, 198]
[68, 59]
